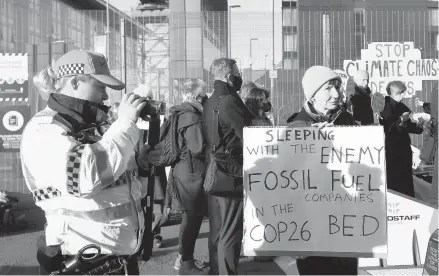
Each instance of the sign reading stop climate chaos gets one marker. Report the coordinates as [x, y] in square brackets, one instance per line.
[315, 192]
[388, 61]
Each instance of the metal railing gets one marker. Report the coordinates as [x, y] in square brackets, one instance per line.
[163, 49]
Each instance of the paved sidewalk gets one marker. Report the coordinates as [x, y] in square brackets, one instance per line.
[18, 251]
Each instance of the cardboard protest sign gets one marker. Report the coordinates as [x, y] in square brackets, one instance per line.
[388, 61]
[344, 78]
[378, 102]
[416, 154]
[315, 192]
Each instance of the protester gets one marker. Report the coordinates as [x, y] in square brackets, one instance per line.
[434, 117]
[397, 125]
[360, 99]
[188, 175]
[86, 184]
[321, 86]
[257, 102]
[430, 146]
[245, 89]
[225, 213]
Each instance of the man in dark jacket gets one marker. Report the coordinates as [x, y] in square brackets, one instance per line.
[397, 125]
[225, 213]
[321, 86]
[360, 100]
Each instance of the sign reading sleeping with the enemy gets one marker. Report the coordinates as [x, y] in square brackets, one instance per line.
[315, 192]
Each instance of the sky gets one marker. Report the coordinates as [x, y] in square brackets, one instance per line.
[252, 20]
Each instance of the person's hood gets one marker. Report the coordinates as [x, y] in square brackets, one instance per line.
[362, 90]
[194, 107]
[191, 113]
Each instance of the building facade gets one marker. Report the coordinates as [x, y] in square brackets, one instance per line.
[153, 49]
[198, 35]
[319, 32]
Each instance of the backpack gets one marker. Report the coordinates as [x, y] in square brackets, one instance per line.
[168, 141]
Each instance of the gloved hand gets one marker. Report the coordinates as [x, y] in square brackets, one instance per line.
[150, 156]
[130, 107]
[142, 159]
[155, 155]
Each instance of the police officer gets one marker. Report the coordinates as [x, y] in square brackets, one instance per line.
[85, 181]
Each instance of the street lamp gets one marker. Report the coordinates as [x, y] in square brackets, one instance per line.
[265, 74]
[251, 58]
[229, 15]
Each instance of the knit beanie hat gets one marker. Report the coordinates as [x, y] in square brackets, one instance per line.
[315, 77]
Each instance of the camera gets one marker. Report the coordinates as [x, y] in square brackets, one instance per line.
[152, 109]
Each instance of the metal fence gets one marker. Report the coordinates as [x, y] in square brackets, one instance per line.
[155, 52]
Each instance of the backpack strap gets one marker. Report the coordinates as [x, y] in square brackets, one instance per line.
[216, 137]
[174, 128]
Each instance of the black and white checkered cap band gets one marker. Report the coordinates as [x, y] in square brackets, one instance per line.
[71, 69]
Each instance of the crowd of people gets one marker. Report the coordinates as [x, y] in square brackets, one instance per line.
[87, 174]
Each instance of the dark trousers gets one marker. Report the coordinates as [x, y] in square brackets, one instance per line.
[226, 226]
[189, 230]
[327, 266]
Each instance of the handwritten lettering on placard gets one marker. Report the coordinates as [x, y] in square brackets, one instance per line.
[387, 61]
[314, 192]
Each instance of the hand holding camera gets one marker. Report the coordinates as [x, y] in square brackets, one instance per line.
[130, 106]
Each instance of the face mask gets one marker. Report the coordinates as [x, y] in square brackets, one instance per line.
[266, 107]
[236, 82]
[202, 99]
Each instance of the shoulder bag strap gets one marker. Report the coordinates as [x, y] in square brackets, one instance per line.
[216, 125]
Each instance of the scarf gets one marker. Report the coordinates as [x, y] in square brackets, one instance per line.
[81, 114]
[332, 116]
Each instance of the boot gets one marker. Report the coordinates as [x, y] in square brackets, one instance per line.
[189, 268]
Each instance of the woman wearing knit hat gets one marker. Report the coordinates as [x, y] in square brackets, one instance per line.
[321, 86]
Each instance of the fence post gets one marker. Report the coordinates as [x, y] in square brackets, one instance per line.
[123, 54]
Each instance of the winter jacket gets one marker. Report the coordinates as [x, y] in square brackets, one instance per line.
[324, 265]
[89, 191]
[233, 117]
[398, 147]
[186, 183]
[362, 105]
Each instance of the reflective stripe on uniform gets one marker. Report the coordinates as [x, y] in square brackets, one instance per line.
[73, 165]
[45, 193]
[102, 215]
[28, 176]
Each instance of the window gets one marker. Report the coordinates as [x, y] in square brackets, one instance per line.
[289, 17]
[434, 19]
[434, 40]
[359, 20]
[290, 43]
[291, 64]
